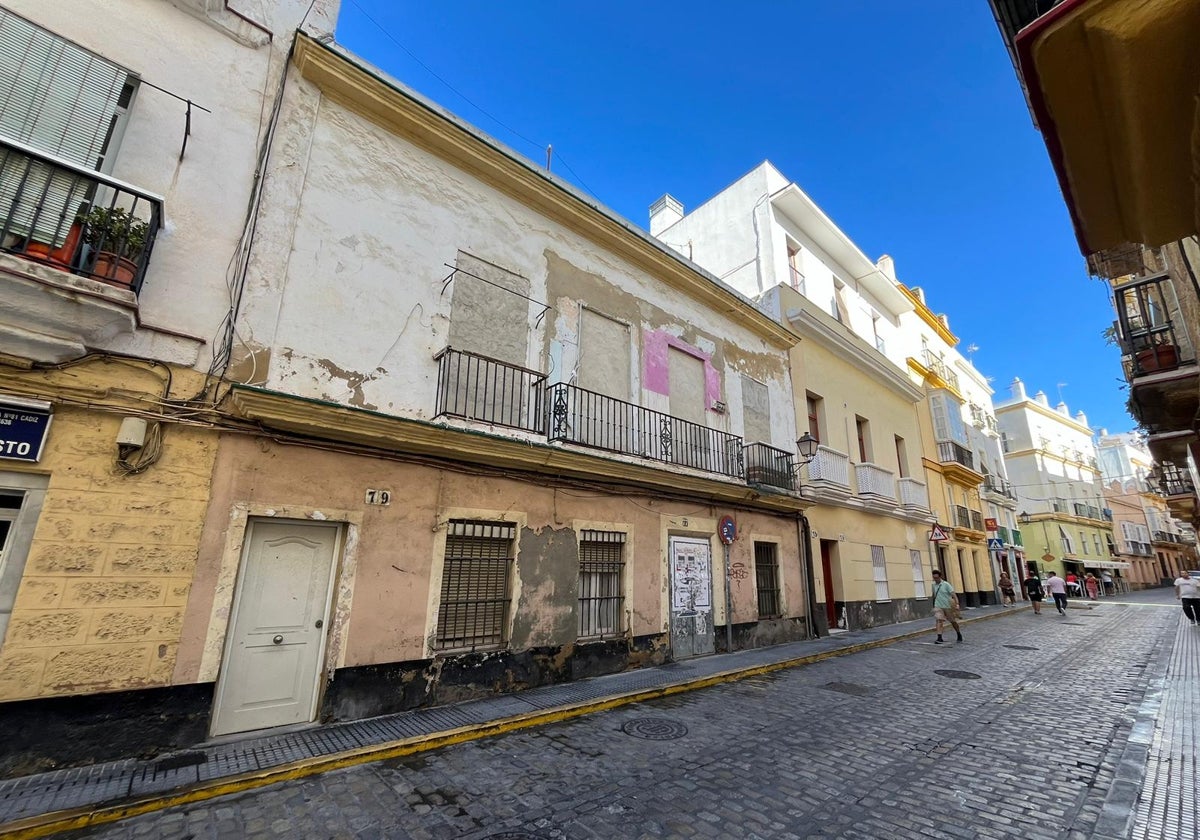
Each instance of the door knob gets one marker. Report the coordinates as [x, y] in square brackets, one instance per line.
[320, 623]
[278, 640]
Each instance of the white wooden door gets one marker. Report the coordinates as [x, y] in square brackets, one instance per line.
[276, 638]
[691, 598]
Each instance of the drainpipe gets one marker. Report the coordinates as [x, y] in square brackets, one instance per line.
[270, 35]
[816, 624]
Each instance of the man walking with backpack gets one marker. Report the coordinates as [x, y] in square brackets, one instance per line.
[945, 606]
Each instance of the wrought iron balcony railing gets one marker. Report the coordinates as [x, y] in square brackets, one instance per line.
[1166, 536]
[950, 452]
[476, 387]
[831, 466]
[1060, 506]
[797, 278]
[590, 419]
[913, 494]
[1145, 325]
[767, 465]
[998, 485]
[962, 517]
[75, 219]
[977, 520]
[874, 480]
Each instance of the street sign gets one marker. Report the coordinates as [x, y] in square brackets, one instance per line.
[727, 530]
[938, 534]
[989, 524]
[995, 544]
[23, 427]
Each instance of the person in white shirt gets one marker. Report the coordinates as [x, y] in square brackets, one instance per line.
[1057, 587]
[1187, 590]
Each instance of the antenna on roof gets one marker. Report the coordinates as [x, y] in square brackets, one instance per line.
[549, 154]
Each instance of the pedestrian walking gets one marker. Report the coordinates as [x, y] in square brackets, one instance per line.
[1057, 587]
[1007, 594]
[1033, 588]
[945, 606]
[1073, 584]
[1187, 590]
[1092, 585]
[1109, 585]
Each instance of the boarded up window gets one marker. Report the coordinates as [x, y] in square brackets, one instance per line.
[486, 317]
[756, 410]
[604, 355]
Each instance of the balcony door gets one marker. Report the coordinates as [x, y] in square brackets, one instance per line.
[691, 446]
[610, 420]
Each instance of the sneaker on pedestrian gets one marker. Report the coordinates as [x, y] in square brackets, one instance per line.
[938, 641]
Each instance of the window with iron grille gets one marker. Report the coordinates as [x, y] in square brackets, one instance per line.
[879, 570]
[601, 584]
[918, 574]
[473, 612]
[766, 579]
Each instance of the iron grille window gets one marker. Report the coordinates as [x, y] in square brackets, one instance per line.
[473, 612]
[601, 584]
[918, 574]
[879, 570]
[766, 577]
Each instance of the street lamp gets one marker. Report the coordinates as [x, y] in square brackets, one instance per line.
[806, 447]
[1024, 518]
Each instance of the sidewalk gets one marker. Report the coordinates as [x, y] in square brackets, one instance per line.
[40, 805]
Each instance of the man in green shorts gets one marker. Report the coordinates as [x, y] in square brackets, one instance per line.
[945, 606]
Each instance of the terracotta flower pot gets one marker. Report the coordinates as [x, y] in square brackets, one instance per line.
[114, 270]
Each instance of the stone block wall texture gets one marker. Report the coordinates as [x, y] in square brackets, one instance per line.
[101, 601]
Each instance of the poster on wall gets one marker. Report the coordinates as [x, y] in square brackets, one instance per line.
[691, 574]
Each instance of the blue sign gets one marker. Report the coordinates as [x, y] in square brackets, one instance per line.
[727, 530]
[23, 430]
[995, 543]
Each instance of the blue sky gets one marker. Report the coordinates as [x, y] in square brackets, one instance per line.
[905, 123]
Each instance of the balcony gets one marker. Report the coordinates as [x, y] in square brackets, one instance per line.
[796, 278]
[962, 517]
[61, 227]
[914, 495]
[830, 467]
[474, 387]
[999, 486]
[874, 481]
[768, 466]
[976, 521]
[950, 452]
[1016, 538]
[74, 219]
[1060, 506]
[1165, 537]
[938, 365]
[1088, 511]
[590, 419]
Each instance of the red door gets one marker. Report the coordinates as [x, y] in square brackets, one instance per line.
[827, 576]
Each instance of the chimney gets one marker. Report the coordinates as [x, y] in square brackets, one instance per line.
[888, 266]
[1103, 430]
[1040, 399]
[1062, 409]
[1018, 388]
[945, 319]
[919, 293]
[1081, 418]
[664, 213]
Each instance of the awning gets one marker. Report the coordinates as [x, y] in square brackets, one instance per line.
[1105, 564]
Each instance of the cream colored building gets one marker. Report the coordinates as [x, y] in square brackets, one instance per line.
[871, 514]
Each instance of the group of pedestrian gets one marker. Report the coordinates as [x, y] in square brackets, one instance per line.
[946, 608]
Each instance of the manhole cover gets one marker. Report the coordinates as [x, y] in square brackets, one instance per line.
[849, 688]
[957, 675]
[180, 760]
[1019, 647]
[654, 729]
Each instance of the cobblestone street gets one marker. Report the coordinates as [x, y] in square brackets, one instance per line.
[1018, 732]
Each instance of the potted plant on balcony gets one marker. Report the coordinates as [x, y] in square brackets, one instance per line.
[118, 238]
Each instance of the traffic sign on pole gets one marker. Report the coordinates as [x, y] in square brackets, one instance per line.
[938, 534]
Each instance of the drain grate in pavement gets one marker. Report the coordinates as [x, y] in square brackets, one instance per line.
[853, 689]
[957, 675]
[654, 729]
[1019, 647]
[180, 760]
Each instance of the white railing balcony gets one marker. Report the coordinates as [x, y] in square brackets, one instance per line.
[913, 494]
[831, 466]
[874, 480]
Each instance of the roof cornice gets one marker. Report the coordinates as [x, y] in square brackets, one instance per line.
[810, 325]
[383, 101]
[926, 315]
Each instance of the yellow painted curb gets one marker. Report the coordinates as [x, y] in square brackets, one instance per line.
[54, 822]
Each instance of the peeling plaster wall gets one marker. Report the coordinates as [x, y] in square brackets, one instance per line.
[356, 308]
[397, 563]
